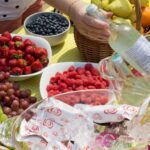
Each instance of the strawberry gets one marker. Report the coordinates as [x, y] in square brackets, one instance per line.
[28, 42]
[11, 44]
[4, 68]
[36, 66]
[39, 52]
[11, 53]
[4, 50]
[17, 38]
[3, 62]
[7, 34]
[16, 54]
[16, 71]
[12, 63]
[19, 45]
[30, 59]
[21, 63]
[44, 60]
[4, 40]
[30, 50]
[27, 70]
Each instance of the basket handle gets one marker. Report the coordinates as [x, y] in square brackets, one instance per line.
[138, 14]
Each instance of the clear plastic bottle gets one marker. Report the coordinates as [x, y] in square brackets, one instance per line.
[126, 41]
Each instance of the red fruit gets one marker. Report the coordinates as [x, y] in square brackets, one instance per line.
[80, 70]
[4, 50]
[36, 66]
[4, 40]
[78, 82]
[27, 70]
[30, 59]
[16, 71]
[63, 85]
[7, 34]
[72, 74]
[19, 45]
[71, 68]
[17, 38]
[21, 63]
[12, 62]
[16, 54]
[28, 42]
[11, 52]
[94, 72]
[88, 66]
[136, 73]
[2, 62]
[98, 85]
[30, 50]
[91, 87]
[39, 52]
[104, 100]
[11, 44]
[44, 60]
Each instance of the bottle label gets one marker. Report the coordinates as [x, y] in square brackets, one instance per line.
[140, 53]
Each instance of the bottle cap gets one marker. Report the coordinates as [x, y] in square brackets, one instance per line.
[91, 9]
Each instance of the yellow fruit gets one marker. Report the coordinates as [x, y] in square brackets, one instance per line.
[96, 2]
[121, 8]
[105, 4]
[120, 20]
[132, 16]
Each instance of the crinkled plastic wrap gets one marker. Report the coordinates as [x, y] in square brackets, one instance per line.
[54, 125]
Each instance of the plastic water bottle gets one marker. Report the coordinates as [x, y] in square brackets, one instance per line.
[126, 41]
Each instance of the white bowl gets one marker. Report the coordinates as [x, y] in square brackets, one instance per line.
[52, 39]
[51, 70]
[39, 42]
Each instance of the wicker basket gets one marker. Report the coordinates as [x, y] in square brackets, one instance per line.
[94, 51]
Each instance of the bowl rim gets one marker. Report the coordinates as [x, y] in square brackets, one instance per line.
[46, 36]
[38, 72]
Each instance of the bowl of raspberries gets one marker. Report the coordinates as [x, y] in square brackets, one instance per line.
[49, 25]
[71, 76]
[23, 56]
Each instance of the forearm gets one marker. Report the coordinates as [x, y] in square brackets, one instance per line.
[63, 5]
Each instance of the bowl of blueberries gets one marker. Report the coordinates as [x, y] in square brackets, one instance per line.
[49, 25]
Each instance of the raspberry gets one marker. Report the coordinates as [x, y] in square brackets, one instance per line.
[78, 76]
[53, 80]
[49, 87]
[71, 68]
[80, 70]
[87, 100]
[91, 87]
[63, 85]
[88, 73]
[104, 100]
[88, 66]
[78, 82]
[79, 88]
[94, 72]
[98, 85]
[72, 74]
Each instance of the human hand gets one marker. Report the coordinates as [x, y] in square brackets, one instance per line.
[87, 25]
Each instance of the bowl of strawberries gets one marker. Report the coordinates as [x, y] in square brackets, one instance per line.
[23, 56]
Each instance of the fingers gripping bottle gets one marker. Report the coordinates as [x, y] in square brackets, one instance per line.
[126, 41]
